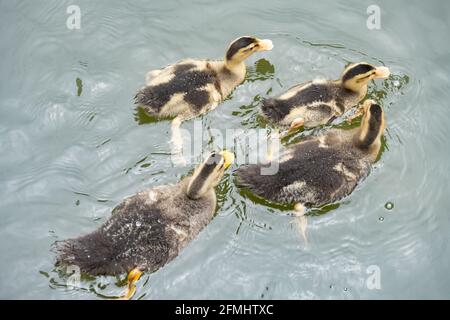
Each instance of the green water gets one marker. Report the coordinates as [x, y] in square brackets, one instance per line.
[72, 146]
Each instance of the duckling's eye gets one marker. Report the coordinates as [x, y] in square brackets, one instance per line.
[366, 76]
[214, 158]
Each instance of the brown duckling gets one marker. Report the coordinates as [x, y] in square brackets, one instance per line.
[322, 169]
[149, 229]
[319, 102]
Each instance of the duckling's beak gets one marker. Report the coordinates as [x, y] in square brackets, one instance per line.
[228, 157]
[382, 72]
[265, 45]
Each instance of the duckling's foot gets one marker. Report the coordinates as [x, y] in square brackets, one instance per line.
[301, 221]
[133, 276]
[295, 125]
[358, 113]
[177, 144]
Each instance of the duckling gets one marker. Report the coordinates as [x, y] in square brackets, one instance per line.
[322, 169]
[319, 102]
[190, 87]
[149, 229]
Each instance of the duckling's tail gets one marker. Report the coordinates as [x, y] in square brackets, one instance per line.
[273, 109]
[90, 253]
[144, 97]
[151, 99]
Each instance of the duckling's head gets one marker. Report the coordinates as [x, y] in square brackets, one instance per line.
[356, 76]
[208, 174]
[372, 125]
[243, 47]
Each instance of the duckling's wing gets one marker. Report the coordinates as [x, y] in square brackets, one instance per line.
[186, 85]
[309, 101]
[314, 92]
[317, 114]
[157, 76]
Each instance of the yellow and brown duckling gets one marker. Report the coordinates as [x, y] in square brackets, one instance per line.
[190, 87]
[319, 102]
[149, 229]
[321, 169]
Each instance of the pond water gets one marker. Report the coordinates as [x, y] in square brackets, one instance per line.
[73, 145]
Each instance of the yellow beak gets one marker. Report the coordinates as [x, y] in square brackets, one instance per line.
[382, 72]
[265, 45]
[228, 158]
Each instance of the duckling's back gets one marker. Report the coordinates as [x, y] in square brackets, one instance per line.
[133, 237]
[188, 80]
[314, 172]
[317, 102]
[145, 231]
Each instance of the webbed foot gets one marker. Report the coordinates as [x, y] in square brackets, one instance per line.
[295, 125]
[133, 277]
[301, 221]
[176, 143]
[358, 113]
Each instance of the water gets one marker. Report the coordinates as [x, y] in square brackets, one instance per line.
[73, 146]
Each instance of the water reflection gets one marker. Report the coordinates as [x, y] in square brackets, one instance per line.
[60, 135]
